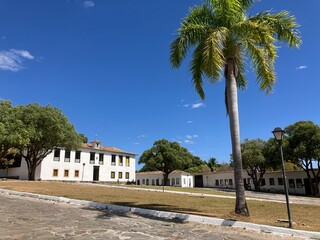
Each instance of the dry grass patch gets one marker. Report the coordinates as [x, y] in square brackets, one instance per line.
[305, 217]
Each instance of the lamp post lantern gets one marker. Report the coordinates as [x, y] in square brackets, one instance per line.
[278, 135]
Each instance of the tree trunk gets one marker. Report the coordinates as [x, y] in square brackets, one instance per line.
[31, 171]
[165, 178]
[232, 103]
[256, 184]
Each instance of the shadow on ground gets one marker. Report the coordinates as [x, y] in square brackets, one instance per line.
[107, 214]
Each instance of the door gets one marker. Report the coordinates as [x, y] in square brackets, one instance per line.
[307, 186]
[198, 181]
[96, 173]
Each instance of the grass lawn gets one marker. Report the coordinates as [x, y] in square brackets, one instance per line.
[305, 217]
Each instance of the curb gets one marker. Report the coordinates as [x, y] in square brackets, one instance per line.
[170, 215]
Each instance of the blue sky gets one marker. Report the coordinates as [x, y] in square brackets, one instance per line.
[105, 64]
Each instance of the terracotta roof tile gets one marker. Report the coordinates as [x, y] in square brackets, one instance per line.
[106, 149]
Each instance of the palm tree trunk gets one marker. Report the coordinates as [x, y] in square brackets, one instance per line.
[232, 103]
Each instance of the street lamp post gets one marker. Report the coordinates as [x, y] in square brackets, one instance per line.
[278, 135]
[83, 164]
[163, 178]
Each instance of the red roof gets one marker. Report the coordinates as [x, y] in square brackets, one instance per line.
[106, 149]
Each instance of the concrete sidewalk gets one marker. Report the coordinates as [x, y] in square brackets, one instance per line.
[277, 231]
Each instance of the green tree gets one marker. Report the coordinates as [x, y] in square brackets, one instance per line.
[304, 150]
[47, 128]
[166, 156]
[213, 164]
[12, 132]
[84, 139]
[222, 36]
[258, 156]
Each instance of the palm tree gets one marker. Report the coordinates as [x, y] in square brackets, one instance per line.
[222, 37]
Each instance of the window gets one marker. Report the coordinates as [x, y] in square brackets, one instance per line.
[177, 181]
[271, 181]
[143, 181]
[55, 173]
[78, 157]
[120, 160]
[127, 175]
[244, 181]
[127, 161]
[217, 182]
[226, 182]
[152, 182]
[263, 182]
[76, 173]
[157, 182]
[230, 182]
[280, 181]
[113, 160]
[92, 154]
[67, 155]
[221, 182]
[184, 181]
[147, 182]
[101, 156]
[66, 173]
[56, 156]
[120, 175]
[113, 175]
[291, 183]
[299, 183]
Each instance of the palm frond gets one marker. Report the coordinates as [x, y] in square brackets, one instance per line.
[283, 26]
[208, 59]
[263, 65]
[193, 28]
[259, 33]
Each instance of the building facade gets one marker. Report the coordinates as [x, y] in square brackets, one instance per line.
[92, 162]
[155, 178]
[298, 182]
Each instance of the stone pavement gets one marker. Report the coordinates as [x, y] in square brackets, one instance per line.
[26, 218]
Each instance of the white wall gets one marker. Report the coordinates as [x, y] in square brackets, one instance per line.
[86, 171]
[45, 169]
[151, 178]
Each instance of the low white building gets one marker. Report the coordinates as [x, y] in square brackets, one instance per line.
[271, 182]
[155, 178]
[92, 162]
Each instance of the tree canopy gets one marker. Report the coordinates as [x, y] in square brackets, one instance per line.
[304, 150]
[35, 130]
[168, 156]
[258, 156]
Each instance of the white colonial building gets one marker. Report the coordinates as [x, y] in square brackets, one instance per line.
[298, 182]
[155, 178]
[92, 162]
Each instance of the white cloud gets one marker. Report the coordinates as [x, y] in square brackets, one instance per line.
[13, 59]
[301, 67]
[142, 136]
[188, 141]
[197, 105]
[194, 105]
[136, 143]
[189, 121]
[191, 136]
[89, 4]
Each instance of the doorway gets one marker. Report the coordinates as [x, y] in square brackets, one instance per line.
[96, 173]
